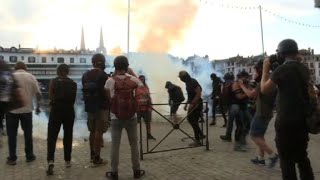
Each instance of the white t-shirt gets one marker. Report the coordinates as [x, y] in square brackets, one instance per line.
[29, 87]
[111, 82]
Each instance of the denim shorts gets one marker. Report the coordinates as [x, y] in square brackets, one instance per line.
[259, 126]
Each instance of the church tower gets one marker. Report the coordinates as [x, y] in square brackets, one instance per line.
[101, 48]
[82, 43]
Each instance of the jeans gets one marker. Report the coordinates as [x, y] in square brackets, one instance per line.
[233, 113]
[57, 118]
[130, 125]
[12, 122]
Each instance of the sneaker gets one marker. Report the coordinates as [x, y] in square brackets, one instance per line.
[67, 164]
[149, 136]
[31, 159]
[50, 170]
[11, 162]
[99, 161]
[138, 173]
[112, 175]
[273, 161]
[226, 138]
[195, 144]
[258, 162]
[213, 123]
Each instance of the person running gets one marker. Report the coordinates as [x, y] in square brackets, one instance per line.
[62, 94]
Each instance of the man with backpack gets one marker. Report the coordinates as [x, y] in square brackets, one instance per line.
[216, 99]
[293, 104]
[194, 105]
[176, 97]
[120, 91]
[29, 86]
[62, 94]
[144, 101]
[96, 105]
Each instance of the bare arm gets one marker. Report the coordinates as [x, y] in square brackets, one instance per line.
[267, 85]
[251, 93]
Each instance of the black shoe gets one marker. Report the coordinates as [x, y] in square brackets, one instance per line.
[138, 173]
[98, 161]
[226, 138]
[258, 162]
[50, 170]
[224, 125]
[149, 136]
[213, 123]
[11, 161]
[31, 159]
[112, 175]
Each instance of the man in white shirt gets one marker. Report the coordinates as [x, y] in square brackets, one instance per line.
[30, 89]
[120, 89]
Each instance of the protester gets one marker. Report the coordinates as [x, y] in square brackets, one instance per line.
[261, 119]
[96, 105]
[142, 95]
[120, 89]
[291, 78]
[216, 99]
[194, 105]
[29, 85]
[62, 94]
[176, 97]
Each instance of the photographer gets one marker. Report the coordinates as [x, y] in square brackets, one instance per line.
[291, 78]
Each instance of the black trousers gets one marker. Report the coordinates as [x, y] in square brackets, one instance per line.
[292, 149]
[193, 119]
[215, 103]
[60, 116]
[12, 121]
[1, 120]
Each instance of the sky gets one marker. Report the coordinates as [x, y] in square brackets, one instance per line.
[218, 28]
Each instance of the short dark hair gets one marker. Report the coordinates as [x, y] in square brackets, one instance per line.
[98, 59]
[20, 65]
[121, 63]
[63, 70]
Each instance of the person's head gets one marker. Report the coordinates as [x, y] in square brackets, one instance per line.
[142, 79]
[98, 61]
[168, 84]
[258, 70]
[184, 76]
[228, 76]
[121, 63]
[288, 48]
[213, 76]
[63, 70]
[20, 66]
[243, 75]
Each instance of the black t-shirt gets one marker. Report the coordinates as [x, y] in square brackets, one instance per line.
[291, 79]
[216, 87]
[191, 87]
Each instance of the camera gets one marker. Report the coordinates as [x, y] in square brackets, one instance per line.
[276, 60]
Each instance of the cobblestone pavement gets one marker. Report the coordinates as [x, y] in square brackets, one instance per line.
[219, 163]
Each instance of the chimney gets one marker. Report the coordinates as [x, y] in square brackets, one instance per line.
[312, 52]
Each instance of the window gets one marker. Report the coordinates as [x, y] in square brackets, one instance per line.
[71, 60]
[60, 60]
[31, 59]
[43, 59]
[13, 59]
[249, 70]
[82, 60]
[317, 58]
[232, 69]
[1, 58]
[52, 58]
[22, 57]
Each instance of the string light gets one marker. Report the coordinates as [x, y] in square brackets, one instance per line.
[265, 10]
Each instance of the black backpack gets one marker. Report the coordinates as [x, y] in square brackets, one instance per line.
[179, 94]
[64, 91]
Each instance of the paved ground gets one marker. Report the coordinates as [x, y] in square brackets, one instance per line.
[219, 163]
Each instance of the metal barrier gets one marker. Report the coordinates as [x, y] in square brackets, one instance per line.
[176, 127]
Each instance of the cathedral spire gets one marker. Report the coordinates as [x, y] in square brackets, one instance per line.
[82, 43]
[101, 48]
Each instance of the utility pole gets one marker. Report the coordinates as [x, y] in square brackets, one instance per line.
[261, 27]
[128, 35]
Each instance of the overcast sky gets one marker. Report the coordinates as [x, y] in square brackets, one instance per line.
[218, 28]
